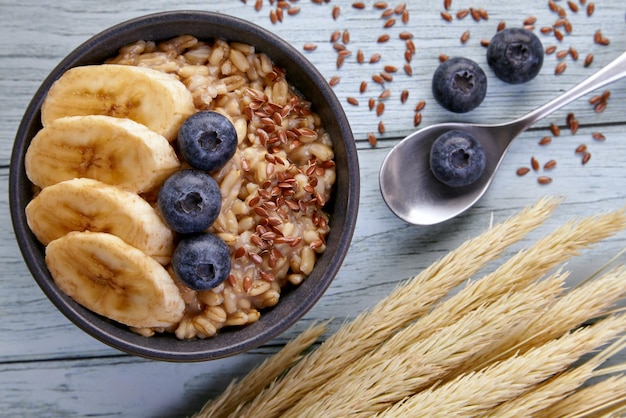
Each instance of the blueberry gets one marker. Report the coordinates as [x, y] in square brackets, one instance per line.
[201, 261]
[189, 201]
[207, 140]
[459, 85]
[457, 159]
[515, 55]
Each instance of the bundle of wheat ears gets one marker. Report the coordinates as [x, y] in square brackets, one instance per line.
[516, 342]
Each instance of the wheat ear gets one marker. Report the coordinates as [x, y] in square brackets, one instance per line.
[476, 393]
[589, 300]
[403, 305]
[533, 402]
[381, 381]
[261, 376]
[590, 399]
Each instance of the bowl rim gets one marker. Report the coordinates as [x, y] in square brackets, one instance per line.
[125, 340]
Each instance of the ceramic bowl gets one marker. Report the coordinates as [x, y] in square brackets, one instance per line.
[342, 207]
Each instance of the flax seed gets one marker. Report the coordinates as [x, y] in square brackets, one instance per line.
[446, 16]
[381, 127]
[340, 60]
[530, 20]
[447, 4]
[405, 17]
[390, 68]
[408, 69]
[386, 76]
[545, 140]
[334, 37]
[334, 81]
[550, 50]
[572, 6]
[404, 96]
[591, 7]
[598, 136]
[377, 78]
[501, 26]
[568, 27]
[544, 180]
[380, 108]
[560, 67]
[309, 47]
[359, 57]
[588, 60]
[339, 47]
[400, 8]
[573, 52]
[522, 171]
[462, 14]
[375, 58]
[417, 119]
[358, 5]
[599, 108]
[380, 5]
[484, 42]
[586, 158]
[552, 5]
[484, 15]
[371, 103]
[389, 23]
[353, 101]
[336, 11]
[549, 165]
[595, 99]
[443, 57]
[465, 36]
[345, 37]
[573, 127]
[420, 105]
[386, 13]
[363, 87]
[554, 128]
[475, 14]
[371, 138]
[292, 11]
[273, 17]
[384, 94]
[534, 163]
[545, 30]
[405, 35]
[383, 38]
[562, 54]
[558, 35]
[580, 149]
[410, 46]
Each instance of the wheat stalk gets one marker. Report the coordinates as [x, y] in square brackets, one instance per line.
[261, 376]
[390, 378]
[475, 393]
[403, 305]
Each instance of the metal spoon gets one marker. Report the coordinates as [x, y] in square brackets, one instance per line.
[416, 196]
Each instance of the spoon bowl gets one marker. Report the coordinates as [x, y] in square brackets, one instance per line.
[414, 194]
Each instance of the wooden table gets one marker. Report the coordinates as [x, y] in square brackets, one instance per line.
[48, 367]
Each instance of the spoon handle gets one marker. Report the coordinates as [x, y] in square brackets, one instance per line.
[613, 71]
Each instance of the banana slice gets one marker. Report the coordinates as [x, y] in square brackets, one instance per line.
[150, 97]
[114, 279]
[119, 152]
[90, 205]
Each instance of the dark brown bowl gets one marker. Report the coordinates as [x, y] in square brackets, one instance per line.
[342, 208]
